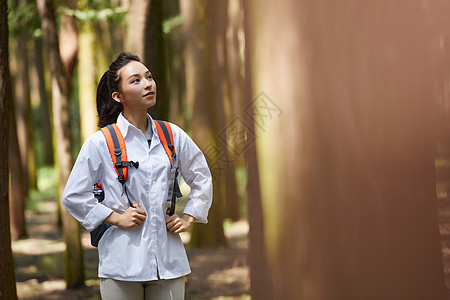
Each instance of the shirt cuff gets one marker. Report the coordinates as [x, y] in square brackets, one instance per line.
[199, 211]
[96, 216]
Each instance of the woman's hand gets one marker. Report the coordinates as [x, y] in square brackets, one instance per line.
[132, 217]
[175, 224]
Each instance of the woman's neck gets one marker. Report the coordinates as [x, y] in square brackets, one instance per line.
[139, 120]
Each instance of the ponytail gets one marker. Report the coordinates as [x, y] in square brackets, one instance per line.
[107, 108]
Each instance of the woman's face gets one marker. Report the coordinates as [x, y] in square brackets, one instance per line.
[138, 89]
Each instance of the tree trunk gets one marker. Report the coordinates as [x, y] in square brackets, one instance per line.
[155, 57]
[7, 277]
[175, 61]
[235, 99]
[137, 17]
[20, 136]
[44, 108]
[87, 79]
[346, 145]
[261, 286]
[74, 274]
[103, 47]
[68, 45]
[22, 103]
[17, 192]
[207, 110]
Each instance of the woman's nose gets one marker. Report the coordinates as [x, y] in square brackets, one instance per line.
[148, 83]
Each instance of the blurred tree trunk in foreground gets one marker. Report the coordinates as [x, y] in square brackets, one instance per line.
[7, 278]
[207, 111]
[74, 271]
[260, 280]
[346, 142]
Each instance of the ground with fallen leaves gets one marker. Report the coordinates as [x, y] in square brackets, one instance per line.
[216, 273]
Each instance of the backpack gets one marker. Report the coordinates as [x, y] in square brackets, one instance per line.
[118, 152]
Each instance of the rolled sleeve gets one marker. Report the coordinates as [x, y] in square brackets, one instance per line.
[96, 216]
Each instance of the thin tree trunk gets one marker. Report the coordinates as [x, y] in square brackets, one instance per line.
[17, 192]
[235, 92]
[44, 108]
[87, 79]
[137, 18]
[175, 61]
[68, 46]
[7, 277]
[346, 145]
[21, 138]
[22, 102]
[103, 47]
[155, 57]
[74, 274]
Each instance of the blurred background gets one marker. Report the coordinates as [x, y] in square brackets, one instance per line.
[326, 126]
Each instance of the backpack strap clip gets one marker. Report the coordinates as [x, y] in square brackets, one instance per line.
[123, 164]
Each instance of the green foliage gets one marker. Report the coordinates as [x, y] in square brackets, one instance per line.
[96, 11]
[171, 23]
[23, 19]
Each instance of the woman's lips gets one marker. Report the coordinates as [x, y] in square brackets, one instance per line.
[149, 94]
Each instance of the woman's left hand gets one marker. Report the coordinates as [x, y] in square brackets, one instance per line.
[175, 224]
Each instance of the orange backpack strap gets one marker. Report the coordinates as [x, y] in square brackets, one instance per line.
[166, 137]
[118, 151]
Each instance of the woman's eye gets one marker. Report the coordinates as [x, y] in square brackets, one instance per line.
[135, 81]
[149, 77]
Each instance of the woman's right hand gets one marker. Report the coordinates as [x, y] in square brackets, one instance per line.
[132, 217]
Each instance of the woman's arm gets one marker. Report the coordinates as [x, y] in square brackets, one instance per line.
[195, 171]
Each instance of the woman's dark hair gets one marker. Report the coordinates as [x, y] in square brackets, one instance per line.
[108, 109]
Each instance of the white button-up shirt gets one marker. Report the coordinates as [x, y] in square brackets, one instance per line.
[148, 252]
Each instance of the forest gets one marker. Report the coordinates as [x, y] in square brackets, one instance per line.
[325, 125]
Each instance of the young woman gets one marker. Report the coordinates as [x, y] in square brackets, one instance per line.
[141, 256]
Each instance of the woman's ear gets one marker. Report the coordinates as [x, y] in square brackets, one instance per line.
[117, 97]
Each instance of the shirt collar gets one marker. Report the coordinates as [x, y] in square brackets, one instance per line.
[123, 125]
[149, 133]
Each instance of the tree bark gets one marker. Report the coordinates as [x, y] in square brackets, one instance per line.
[7, 277]
[346, 145]
[207, 111]
[74, 274]
[87, 78]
